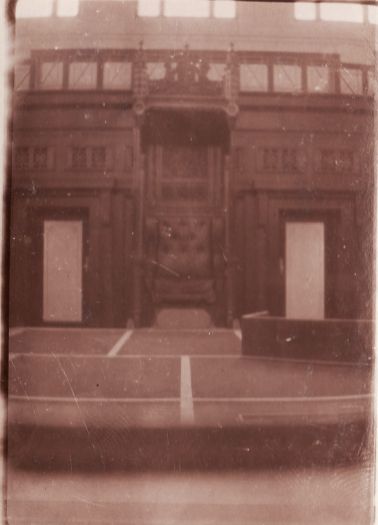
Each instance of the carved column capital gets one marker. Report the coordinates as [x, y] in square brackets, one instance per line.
[140, 82]
[231, 84]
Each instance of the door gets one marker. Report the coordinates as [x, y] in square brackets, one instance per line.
[305, 270]
[62, 270]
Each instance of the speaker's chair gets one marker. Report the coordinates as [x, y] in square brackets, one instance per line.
[183, 253]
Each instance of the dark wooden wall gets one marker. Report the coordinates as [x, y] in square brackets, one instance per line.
[303, 163]
[288, 159]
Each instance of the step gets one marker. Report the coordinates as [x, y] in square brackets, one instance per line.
[189, 318]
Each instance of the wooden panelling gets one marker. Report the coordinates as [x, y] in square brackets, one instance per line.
[34, 158]
[19, 246]
[303, 156]
[261, 226]
[101, 251]
[75, 159]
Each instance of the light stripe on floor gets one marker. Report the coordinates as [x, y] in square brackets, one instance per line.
[102, 400]
[186, 394]
[119, 344]
[16, 331]
[199, 400]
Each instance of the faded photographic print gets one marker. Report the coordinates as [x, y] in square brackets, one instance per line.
[190, 263]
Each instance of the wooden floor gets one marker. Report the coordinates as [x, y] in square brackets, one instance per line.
[155, 378]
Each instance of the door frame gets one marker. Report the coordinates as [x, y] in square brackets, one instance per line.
[215, 153]
[36, 234]
[331, 221]
[319, 313]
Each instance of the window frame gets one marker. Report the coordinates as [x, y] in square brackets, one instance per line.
[53, 12]
[367, 17]
[211, 15]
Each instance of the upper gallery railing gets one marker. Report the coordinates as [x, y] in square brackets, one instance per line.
[151, 73]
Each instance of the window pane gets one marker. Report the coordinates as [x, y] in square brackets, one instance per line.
[253, 77]
[318, 79]
[351, 81]
[342, 12]
[68, 7]
[148, 7]
[305, 11]
[373, 14]
[371, 81]
[82, 75]
[287, 78]
[195, 8]
[224, 9]
[22, 77]
[117, 75]
[33, 8]
[51, 75]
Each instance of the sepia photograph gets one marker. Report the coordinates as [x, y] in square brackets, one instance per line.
[189, 262]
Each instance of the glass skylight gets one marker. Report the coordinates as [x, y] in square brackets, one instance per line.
[67, 8]
[148, 7]
[193, 8]
[373, 14]
[305, 11]
[224, 9]
[34, 8]
[341, 12]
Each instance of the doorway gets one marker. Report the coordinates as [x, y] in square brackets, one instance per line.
[305, 270]
[185, 156]
[62, 270]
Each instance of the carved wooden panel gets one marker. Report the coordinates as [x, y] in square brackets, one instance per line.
[244, 160]
[129, 158]
[38, 158]
[337, 161]
[184, 163]
[98, 157]
[22, 158]
[289, 160]
[90, 158]
[270, 159]
[185, 72]
[281, 160]
[80, 158]
[183, 175]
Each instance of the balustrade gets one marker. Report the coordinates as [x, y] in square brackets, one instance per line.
[222, 75]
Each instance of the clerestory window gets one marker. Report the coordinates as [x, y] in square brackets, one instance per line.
[352, 12]
[192, 8]
[46, 8]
